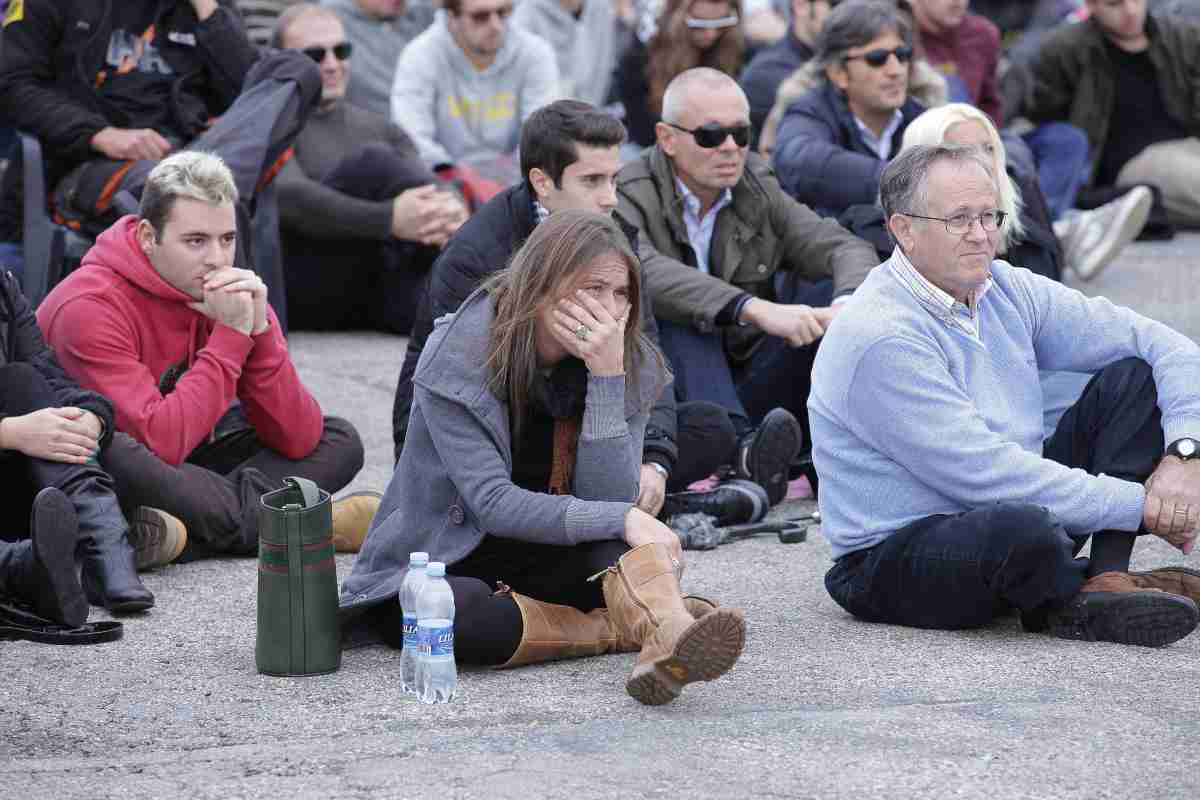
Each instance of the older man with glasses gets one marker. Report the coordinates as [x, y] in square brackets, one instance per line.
[744, 286]
[464, 87]
[943, 505]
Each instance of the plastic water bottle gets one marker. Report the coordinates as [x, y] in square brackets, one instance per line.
[437, 675]
[414, 582]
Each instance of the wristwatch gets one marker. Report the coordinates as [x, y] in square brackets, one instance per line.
[1184, 449]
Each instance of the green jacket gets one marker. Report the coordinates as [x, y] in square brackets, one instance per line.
[762, 231]
[1073, 81]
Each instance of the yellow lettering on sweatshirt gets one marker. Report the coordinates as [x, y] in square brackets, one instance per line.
[497, 108]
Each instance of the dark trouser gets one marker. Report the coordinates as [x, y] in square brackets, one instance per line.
[777, 375]
[338, 284]
[23, 390]
[704, 438]
[215, 492]
[960, 570]
[487, 626]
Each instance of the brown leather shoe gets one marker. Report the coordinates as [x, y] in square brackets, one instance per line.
[157, 537]
[352, 517]
[1182, 581]
[1112, 607]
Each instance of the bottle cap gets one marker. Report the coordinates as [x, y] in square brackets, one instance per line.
[418, 558]
[436, 569]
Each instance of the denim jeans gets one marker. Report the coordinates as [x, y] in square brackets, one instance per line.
[1061, 153]
[960, 570]
[777, 375]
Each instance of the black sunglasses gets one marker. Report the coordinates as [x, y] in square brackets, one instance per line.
[877, 58]
[713, 135]
[482, 17]
[341, 52]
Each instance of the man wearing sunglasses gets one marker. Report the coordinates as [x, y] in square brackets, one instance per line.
[834, 142]
[944, 503]
[743, 291]
[362, 216]
[463, 87]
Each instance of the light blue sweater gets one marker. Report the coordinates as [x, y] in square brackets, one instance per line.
[912, 417]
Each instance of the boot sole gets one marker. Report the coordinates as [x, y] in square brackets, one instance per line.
[55, 532]
[1145, 619]
[776, 444]
[706, 650]
[168, 538]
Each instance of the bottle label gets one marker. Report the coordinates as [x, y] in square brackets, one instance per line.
[411, 639]
[438, 641]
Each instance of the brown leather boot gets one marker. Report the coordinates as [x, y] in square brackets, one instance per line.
[1182, 581]
[552, 632]
[1112, 607]
[644, 603]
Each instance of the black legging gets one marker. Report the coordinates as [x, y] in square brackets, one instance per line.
[487, 626]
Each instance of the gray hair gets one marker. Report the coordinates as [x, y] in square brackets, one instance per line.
[856, 23]
[904, 187]
[191, 174]
[678, 92]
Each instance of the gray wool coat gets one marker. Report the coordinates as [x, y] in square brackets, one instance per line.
[453, 483]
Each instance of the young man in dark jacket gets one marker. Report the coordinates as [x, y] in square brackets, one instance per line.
[570, 157]
[52, 433]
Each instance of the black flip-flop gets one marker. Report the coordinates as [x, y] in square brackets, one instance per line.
[17, 623]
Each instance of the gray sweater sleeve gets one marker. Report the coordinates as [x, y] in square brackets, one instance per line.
[608, 464]
[309, 207]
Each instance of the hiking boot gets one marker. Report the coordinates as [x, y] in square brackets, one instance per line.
[1111, 607]
[1092, 239]
[729, 503]
[352, 516]
[765, 454]
[157, 537]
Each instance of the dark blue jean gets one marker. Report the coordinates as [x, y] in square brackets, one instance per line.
[1060, 151]
[960, 570]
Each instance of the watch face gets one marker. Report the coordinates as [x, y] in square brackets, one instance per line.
[1186, 447]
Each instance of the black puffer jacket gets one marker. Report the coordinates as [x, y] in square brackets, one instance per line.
[55, 52]
[480, 248]
[21, 342]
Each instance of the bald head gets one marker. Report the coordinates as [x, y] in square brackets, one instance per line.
[689, 90]
[296, 13]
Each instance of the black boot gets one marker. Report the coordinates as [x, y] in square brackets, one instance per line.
[41, 570]
[765, 454]
[730, 503]
[110, 576]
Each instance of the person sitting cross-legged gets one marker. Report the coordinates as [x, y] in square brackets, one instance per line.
[520, 473]
[942, 500]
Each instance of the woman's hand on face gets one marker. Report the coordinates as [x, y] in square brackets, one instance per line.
[602, 346]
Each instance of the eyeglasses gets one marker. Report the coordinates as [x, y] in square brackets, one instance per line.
[712, 135]
[341, 52]
[877, 58]
[484, 16]
[959, 224]
[698, 24]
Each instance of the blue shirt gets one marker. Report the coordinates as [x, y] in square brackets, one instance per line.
[912, 416]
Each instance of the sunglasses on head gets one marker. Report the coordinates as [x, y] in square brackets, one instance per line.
[877, 58]
[713, 135]
[696, 23]
[341, 52]
[484, 16]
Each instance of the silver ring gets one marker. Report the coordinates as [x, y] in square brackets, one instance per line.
[582, 332]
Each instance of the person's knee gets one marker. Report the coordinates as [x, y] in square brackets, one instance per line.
[343, 438]
[1027, 532]
[24, 389]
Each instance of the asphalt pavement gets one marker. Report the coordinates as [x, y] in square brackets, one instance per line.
[819, 706]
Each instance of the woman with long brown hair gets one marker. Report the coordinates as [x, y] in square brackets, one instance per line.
[520, 472]
[691, 33]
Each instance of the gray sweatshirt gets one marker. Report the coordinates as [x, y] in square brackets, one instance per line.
[377, 42]
[586, 47]
[458, 114]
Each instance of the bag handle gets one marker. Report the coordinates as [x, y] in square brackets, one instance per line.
[308, 490]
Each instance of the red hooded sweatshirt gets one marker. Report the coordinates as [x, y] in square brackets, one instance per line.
[120, 329]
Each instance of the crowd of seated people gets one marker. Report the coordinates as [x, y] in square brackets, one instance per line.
[724, 184]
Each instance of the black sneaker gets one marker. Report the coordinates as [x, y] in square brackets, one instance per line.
[1146, 618]
[729, 503]
[765, 455]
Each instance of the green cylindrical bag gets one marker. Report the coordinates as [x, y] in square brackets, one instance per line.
[298, 631]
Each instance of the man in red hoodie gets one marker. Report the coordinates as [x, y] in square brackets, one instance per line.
[159, 320]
